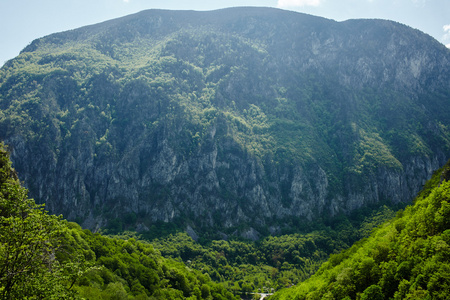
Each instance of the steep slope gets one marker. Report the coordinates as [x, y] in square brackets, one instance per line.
[406, 258]
[243, 116]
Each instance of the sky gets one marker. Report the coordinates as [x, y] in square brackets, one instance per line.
[22, 21]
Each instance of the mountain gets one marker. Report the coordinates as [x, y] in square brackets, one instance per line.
[243, 120]
[405, 258]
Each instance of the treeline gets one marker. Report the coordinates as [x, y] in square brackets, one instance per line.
[45, 257]
[406, 258]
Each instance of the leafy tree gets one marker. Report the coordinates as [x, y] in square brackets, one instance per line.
[373, 292]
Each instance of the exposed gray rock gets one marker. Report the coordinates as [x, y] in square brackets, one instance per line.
[192, 233]
[251, 234]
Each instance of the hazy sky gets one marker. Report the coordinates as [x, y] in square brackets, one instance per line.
[22, 21]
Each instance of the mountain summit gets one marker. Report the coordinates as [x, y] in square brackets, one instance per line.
[249, 118]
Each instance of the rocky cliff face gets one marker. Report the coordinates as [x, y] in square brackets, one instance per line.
[224, 118]
[209, 191]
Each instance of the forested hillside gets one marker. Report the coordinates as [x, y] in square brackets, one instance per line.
[405, 258]
[237, 122]
[45, 257]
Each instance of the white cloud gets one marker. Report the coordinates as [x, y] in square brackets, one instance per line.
[448, 46]
[126, 1]
[297, 3]
[446, 36]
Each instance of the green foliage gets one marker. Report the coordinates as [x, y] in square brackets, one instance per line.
[373, 292]
[405, 258]
[370, 152]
